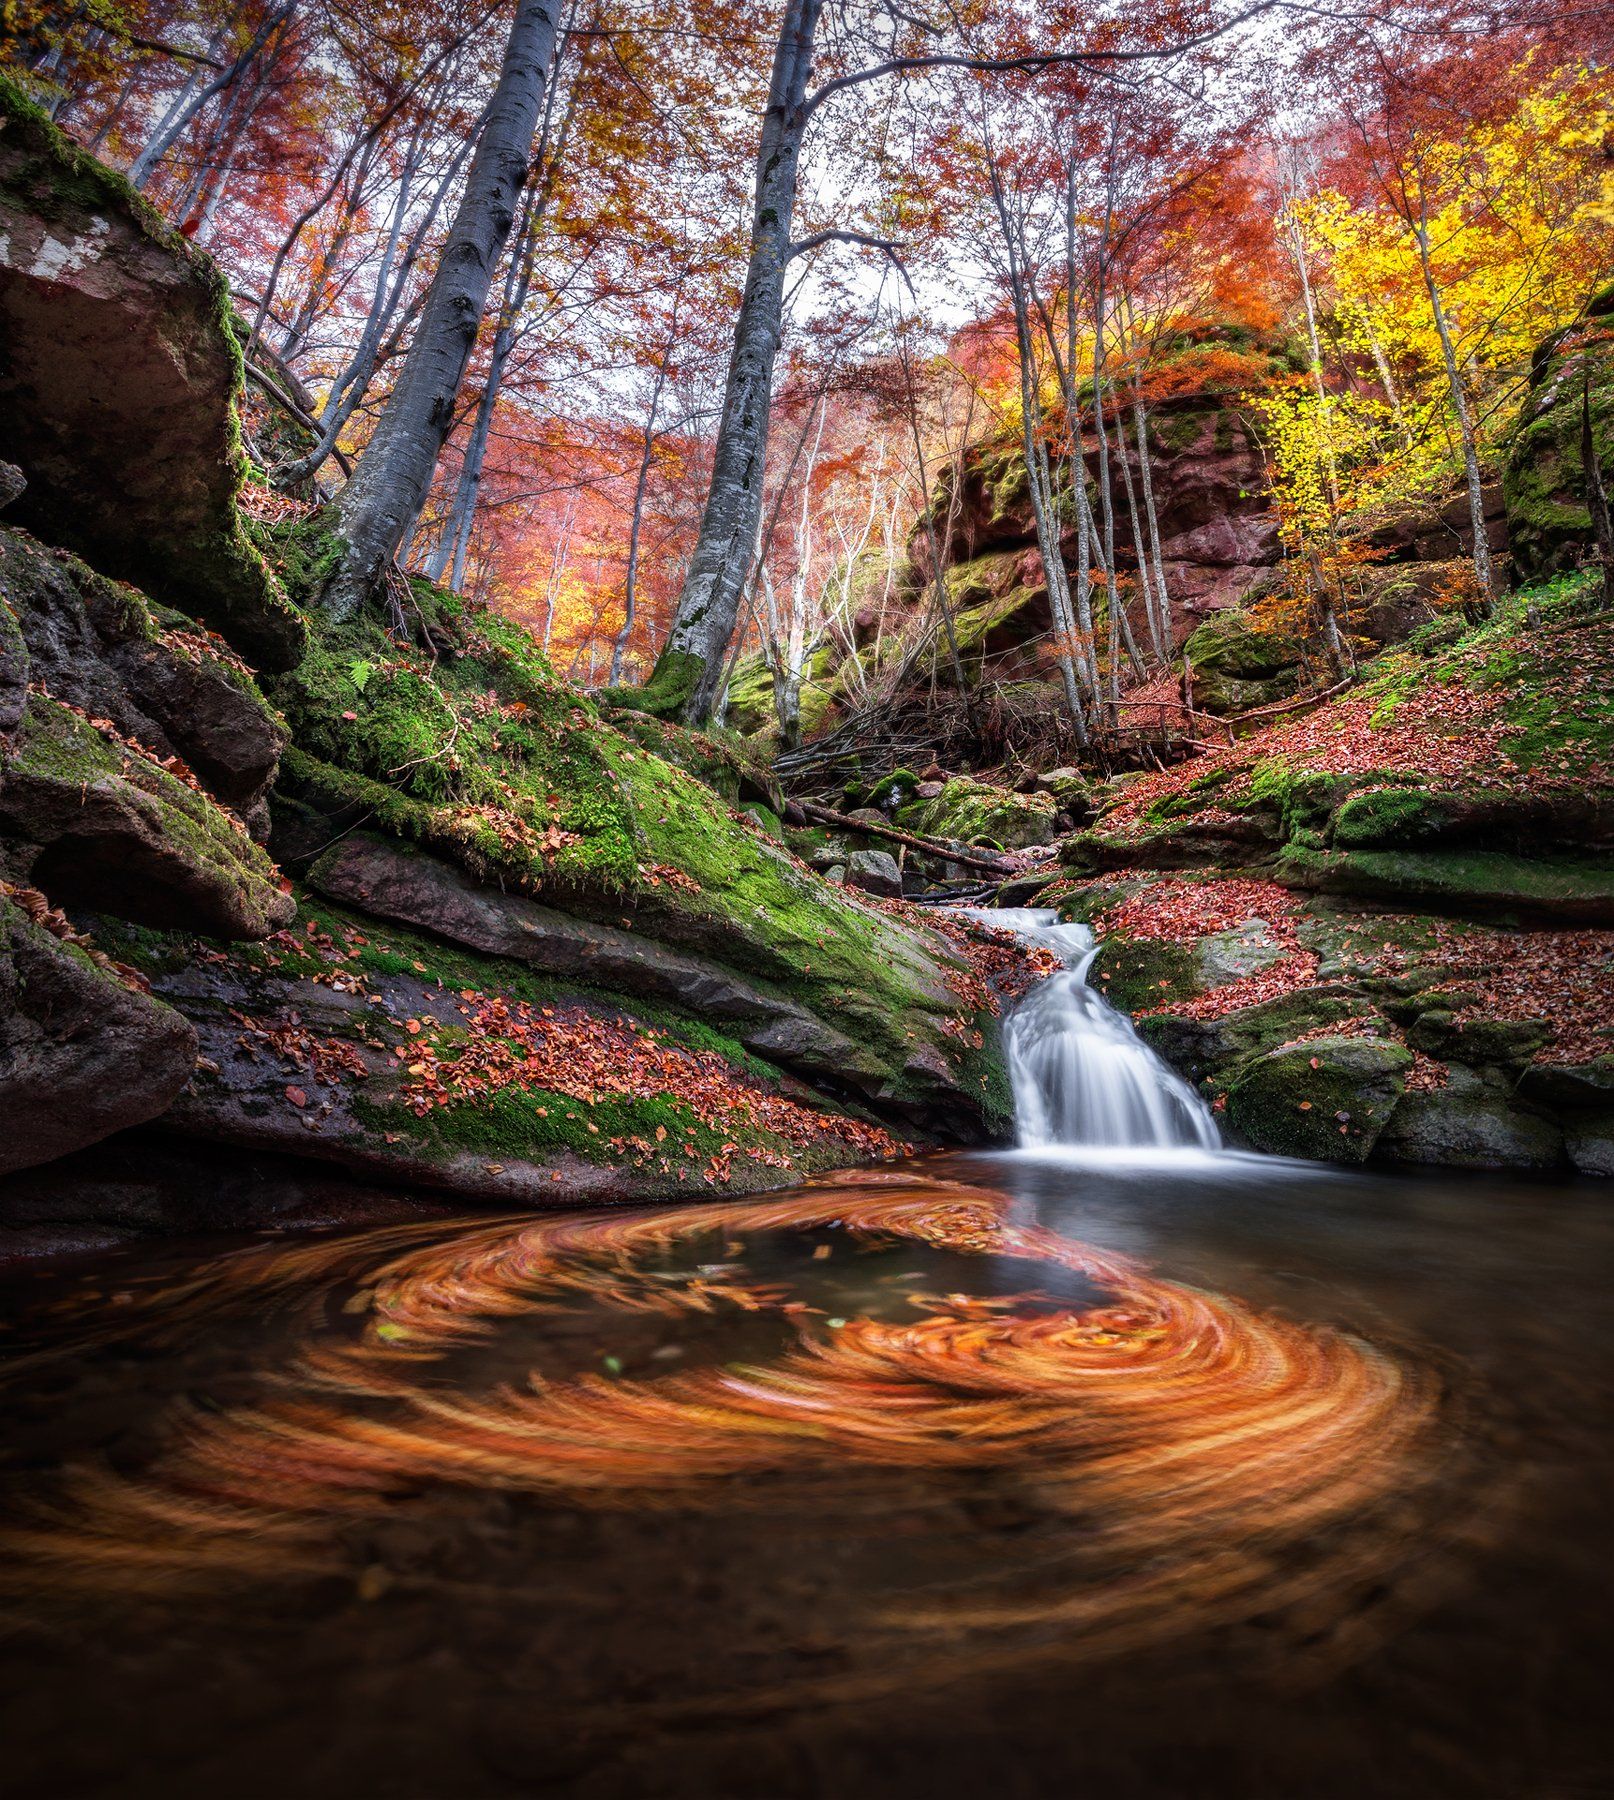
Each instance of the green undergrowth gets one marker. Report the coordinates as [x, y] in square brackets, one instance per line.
[480, 754]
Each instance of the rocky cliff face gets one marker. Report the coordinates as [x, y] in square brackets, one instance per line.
[1545, 476]
[1218, 530]
[118, 382]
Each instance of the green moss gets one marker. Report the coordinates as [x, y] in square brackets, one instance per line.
[669, 690]
[1575, 890]
[1543, 482]
[975, 812]
[1137, 973]
[1328, 1099]
[53, 747]
[479, 756]
[1390, 816]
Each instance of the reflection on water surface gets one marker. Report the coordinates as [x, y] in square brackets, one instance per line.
[989, 1471]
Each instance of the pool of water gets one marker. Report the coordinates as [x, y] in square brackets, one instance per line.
[1015, 1474]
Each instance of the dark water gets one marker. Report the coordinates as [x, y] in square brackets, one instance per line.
[990, 1475]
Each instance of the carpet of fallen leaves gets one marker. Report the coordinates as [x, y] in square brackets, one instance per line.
[1177, 911]
[1560, 978]
[1445, 733]
[512, 1045]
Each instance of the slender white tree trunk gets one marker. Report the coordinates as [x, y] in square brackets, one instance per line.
[1484, 569]
[689, 672]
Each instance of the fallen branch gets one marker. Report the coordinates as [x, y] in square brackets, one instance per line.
[824, 815]
[1288, 706]
[278, 394]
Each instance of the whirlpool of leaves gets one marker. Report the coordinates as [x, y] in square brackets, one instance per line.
[873, 1348]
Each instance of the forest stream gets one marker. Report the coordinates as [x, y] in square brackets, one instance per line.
[1148, 1470]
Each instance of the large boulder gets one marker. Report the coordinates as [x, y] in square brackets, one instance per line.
[1329, 1098]
[1470, 1125]
[83, 1051]
[1238, 665]
[100, 805]
[118, 384]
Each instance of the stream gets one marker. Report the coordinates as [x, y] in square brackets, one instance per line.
[1119, 1463]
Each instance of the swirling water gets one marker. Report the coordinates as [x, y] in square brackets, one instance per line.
[1125, 1466]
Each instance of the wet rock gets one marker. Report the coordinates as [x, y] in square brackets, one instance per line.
[118, 384]
[875, 872]
[81, 1054]
[12, 483]
[1589, 1144]
[1469, 1125]
[1330, 1098]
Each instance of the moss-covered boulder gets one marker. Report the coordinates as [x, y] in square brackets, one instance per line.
[968, 811]
[98, 822]
[490, 763]
[84, 1052]
[1238, 665]
[1327, 1099]
[119, 377]
[1544, 480]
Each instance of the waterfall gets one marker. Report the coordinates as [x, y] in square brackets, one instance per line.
[1082, 1076]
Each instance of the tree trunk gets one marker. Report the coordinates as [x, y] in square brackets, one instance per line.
[1140, 424]
[393, 477]
[191, 101]
[1483, 567]
[689, 671]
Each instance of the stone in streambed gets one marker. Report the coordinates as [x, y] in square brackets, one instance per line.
[1329, 1099]
[1470, 1125]
[875, 872]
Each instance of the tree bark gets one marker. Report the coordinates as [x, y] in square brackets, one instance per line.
[1483, 567]
[394, 475]
[689, 671]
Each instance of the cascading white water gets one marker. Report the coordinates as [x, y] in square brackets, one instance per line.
[1082, 1076]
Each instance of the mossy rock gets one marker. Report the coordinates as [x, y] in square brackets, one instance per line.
[1544, 480]
[119, 382]
[490, 762]
[1573, 891]
[1327, 1100]
[1238, 666]
[974, 812]
[105, 827]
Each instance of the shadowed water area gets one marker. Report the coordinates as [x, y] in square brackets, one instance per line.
[1130, 1466]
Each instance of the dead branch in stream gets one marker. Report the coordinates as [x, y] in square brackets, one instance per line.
[825, 815]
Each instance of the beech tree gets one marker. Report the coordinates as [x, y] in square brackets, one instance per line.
[378, 507]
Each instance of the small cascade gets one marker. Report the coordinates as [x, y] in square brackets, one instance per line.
[1082, 1076]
